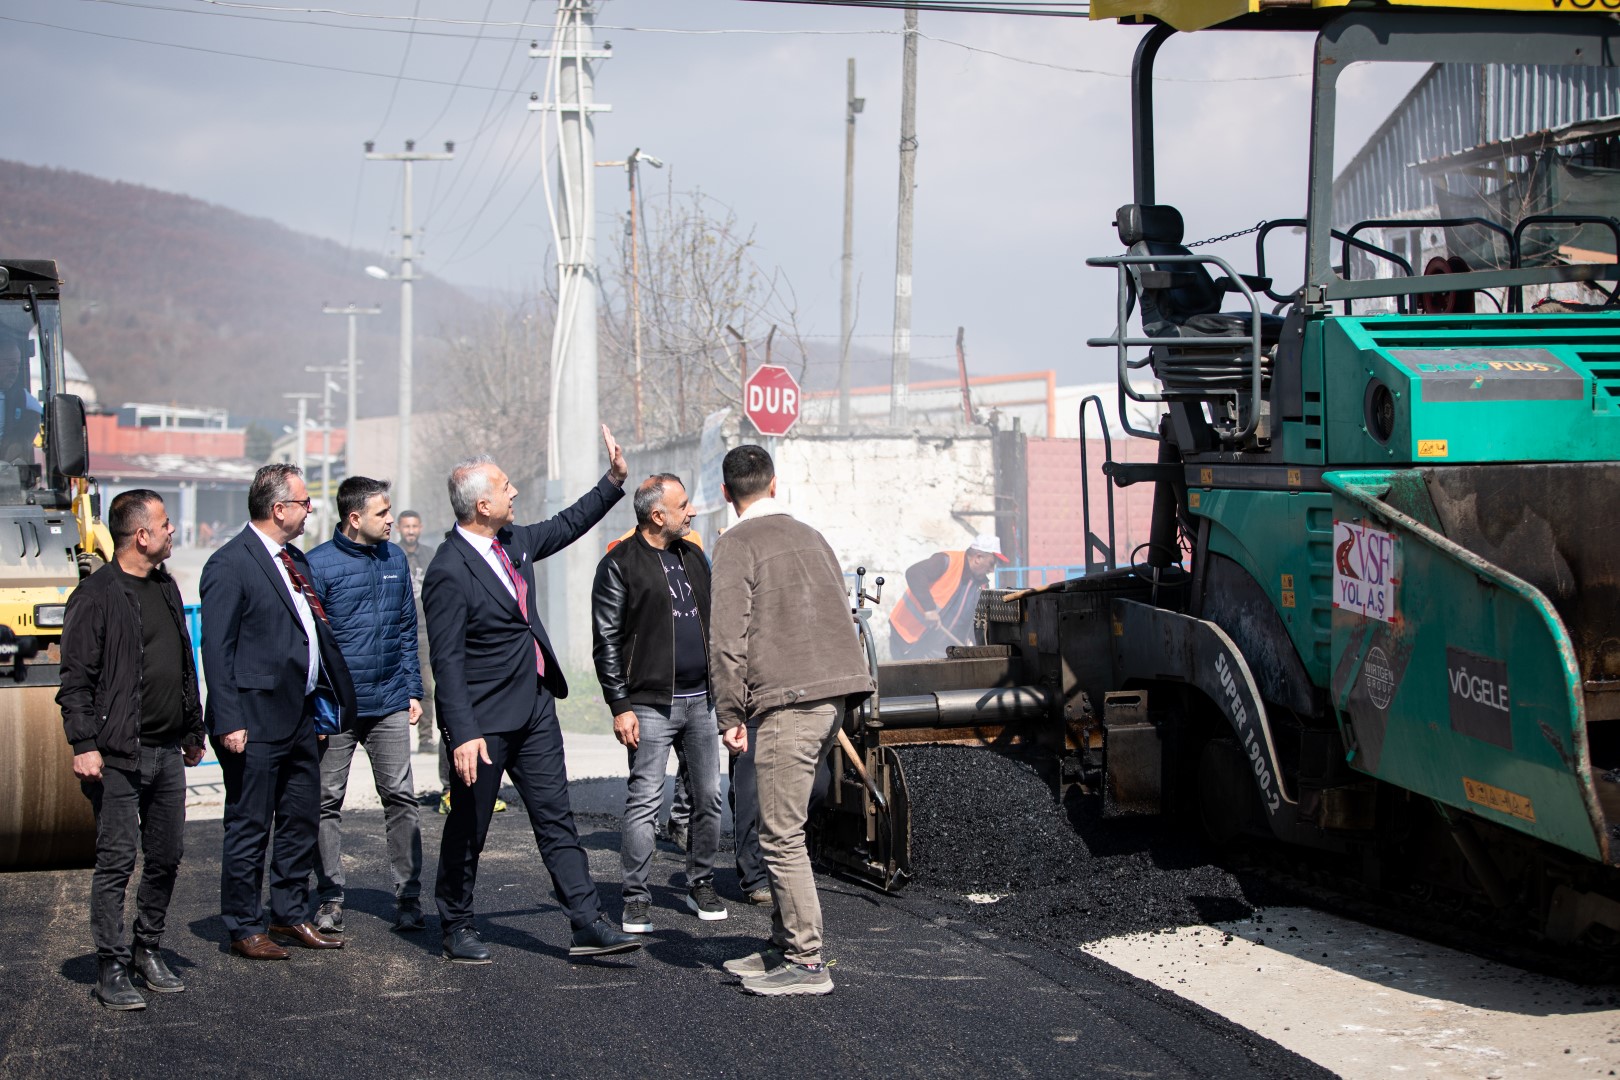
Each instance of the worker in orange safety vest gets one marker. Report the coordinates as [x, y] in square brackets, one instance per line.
[941, 594]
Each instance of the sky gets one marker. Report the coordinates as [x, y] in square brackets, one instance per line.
[1023, 147]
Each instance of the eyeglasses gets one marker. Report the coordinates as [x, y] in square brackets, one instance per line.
[307, 504]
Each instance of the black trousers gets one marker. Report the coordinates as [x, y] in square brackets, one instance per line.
[140, 806]
[533, 756]
[272, 785]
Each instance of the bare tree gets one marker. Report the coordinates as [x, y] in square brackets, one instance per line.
[698, 276]
[493, 395]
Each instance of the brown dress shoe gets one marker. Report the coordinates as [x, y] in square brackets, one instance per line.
[307, 936]
[259, 947]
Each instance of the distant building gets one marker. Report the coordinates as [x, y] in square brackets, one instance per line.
[1495, 142]
[190, 456]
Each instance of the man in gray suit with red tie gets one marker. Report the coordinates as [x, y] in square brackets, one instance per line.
[269, 658]
[496, 678]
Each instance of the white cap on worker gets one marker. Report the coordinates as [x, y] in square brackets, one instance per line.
[989, 544]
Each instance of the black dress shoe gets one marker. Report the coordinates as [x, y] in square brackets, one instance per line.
[464, 946]
[601, 938]
[113, 988]
[148, 964]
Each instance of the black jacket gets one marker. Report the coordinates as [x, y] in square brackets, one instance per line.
[633, 621]
[481, 647]
[101, 666]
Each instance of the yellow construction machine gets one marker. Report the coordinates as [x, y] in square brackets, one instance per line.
[50, 536]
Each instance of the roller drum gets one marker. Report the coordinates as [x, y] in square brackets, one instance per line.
[45, 820]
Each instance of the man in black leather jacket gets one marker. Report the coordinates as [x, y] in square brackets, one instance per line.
[650, 608]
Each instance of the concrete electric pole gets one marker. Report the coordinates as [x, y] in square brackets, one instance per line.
[300, 447]
[902, 254]
[326, 508]
[572, 458]
[406, 277]
[846, 308]
[352, 363]
[632, 166]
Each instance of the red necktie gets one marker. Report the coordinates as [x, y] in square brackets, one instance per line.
[302, 585]
[522, 590]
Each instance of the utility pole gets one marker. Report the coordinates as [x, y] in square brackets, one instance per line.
[571, 461]
[300, 451]
[406, 277]
[631, 166]
[902, 254]
[327, 386]
[353, 362]
[846, 308]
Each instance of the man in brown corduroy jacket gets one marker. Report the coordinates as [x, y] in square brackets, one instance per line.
[784, 658]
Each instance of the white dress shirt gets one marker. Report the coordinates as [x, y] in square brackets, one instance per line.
[485, 546]
[301, 602]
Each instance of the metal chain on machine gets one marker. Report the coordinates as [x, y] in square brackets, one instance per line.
[1256, 227]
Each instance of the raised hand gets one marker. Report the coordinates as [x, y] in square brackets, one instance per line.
[617, 469]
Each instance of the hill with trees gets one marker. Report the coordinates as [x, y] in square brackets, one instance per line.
[170, 299]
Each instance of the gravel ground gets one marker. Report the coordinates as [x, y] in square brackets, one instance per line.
[985, 824]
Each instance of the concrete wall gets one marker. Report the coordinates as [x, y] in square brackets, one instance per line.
[883, 500]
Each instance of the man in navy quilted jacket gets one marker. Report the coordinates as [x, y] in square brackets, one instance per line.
[364, 583]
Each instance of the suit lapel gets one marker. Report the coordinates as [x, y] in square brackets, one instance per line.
[482, 572]
[257, 552]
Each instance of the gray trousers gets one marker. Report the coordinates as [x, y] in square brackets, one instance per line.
[788, 750]
[690, 721]
[388, 745]
[140, 807]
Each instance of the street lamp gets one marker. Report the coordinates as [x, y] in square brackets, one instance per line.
[378, 272]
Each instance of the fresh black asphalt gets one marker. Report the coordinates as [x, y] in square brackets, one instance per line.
[923, 988]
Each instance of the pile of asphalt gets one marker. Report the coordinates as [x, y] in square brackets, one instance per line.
[987, 829]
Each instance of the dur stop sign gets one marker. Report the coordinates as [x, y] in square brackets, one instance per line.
[771, 399]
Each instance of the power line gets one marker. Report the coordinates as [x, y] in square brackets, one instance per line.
[522, 25]
[238, 55]
[465, 64]
[393, 94]
[1004, 7]
[484, 123]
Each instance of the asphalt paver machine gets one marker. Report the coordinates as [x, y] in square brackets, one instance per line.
[1379, 615]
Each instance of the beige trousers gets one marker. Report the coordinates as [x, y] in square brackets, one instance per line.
[790, 745]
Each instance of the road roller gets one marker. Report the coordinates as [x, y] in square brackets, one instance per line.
[50, 535]
[1376, 624]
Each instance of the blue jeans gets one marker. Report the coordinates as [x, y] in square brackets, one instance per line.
[387, 740]
[691, 721]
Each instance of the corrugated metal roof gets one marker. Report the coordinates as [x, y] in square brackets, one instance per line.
[1455, 107]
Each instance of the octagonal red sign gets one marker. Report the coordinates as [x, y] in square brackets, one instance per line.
[771, 399]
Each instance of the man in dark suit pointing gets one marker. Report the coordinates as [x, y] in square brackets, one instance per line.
[268, 655]
[496, 680]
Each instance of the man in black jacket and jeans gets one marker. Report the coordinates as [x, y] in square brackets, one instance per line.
[132, 714]
[650, 608]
